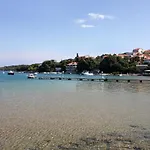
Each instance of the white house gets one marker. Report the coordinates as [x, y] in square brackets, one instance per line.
[138, 51]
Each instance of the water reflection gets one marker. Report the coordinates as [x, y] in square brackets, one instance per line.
[113, 87]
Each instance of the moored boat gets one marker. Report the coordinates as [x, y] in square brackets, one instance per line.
[87, 73]
[10, 73]
[31, 76]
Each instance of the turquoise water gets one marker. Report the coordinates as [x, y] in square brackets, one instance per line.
[73, 115]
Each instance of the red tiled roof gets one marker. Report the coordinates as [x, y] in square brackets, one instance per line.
[123, 55]
[72, 63]
[147, 51]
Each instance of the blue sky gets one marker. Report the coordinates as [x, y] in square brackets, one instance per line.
[37, 30]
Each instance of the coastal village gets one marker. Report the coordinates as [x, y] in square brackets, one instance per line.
[136, 61]
[142, 55]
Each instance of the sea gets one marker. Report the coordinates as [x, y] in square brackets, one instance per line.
[73, 115]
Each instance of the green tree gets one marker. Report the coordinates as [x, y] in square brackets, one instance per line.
[48, 66]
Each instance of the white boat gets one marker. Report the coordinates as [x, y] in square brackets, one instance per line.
[10, 73]
[35, 73]
[87, 74]
[31, 76]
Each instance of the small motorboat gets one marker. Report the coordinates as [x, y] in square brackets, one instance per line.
[10, 73]
[31, 76]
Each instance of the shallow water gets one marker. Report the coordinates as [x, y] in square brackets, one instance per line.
[73, 115]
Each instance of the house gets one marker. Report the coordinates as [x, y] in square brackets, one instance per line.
[138, 51]
[146, 56]
[71, 67]
[140, 56]
[147, 52]
[129, 53]
[123, 55]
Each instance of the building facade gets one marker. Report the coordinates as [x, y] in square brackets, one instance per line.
[71, 67]
[137, 51]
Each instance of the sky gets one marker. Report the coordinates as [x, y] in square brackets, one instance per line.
[32, 31]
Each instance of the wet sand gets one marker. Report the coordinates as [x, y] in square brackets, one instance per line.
[89, 117]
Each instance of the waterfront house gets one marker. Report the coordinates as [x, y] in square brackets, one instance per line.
[71, 67]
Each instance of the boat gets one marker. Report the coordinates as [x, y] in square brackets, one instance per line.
[10, 73]
[87, 74]
[31, 76]
[35, 73]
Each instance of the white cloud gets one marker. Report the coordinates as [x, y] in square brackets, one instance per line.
[97, 16]
[87, 26]
[79, 21]
[92, 18]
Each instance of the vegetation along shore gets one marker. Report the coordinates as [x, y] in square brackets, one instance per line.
[135, 62]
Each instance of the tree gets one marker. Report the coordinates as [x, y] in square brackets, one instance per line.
[82, 65]
[48, 66]
[33, 67]
[86, 64]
